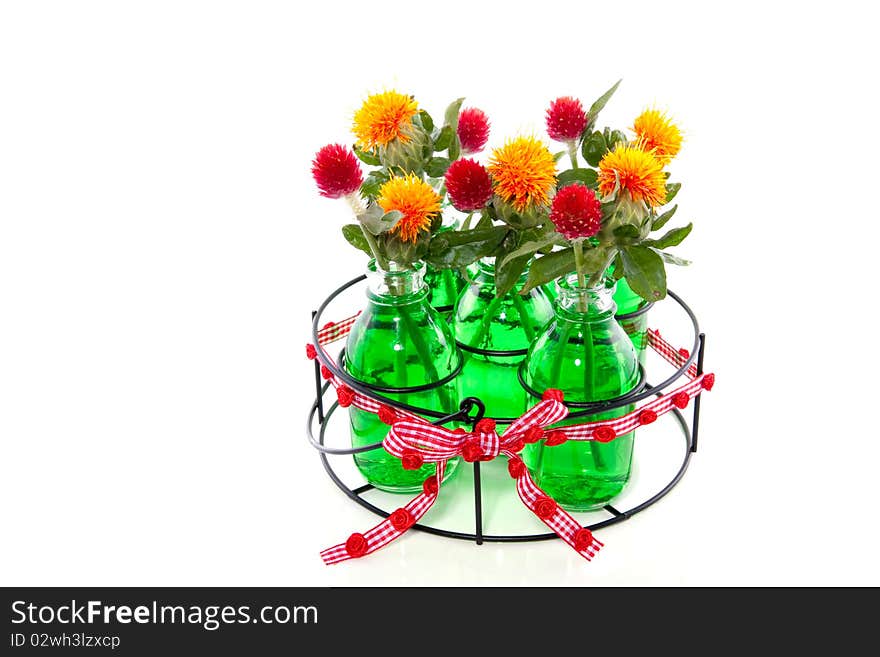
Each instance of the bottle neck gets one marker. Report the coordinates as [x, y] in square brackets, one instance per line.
[487, 268]
[404, 285]
[592, 304]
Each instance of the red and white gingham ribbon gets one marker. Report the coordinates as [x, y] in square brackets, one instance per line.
[416, 442]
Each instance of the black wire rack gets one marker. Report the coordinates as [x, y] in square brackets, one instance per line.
[472, 410]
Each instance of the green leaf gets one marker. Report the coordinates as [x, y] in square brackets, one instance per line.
[355, 236]
[444, 138]
[372, 183]
[454, 249]
[436, 168]
[531, 245]
[672, 190]
[627, 232]
[600, 103]
[672, 238]
[558, 156]
[671, 259]
[377, 221]
[594, 148]
[660, 221]
[644, 272]
[588, 177]
[401, 251]
[426, 121]
[617, 267]
[367, 157]
[450, 117]
[549, 267]
[613, 137]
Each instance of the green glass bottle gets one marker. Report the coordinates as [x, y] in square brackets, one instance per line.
[508, 323]
[636, 327]
[399, 341]
[585, 353]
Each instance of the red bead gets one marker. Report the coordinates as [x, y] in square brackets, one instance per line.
[471, 451]
[345, 396]
[552, 393]
[684, 353]
[517, 445]
[430, 487]
[533, 434]
[647, 416]
[485, 426]
[516, 467]
[555, 438]
[604, 434]
[311, 352]
[545, 507]
[459, 431]
[680, 399]
[356, 545]
[326, 373]
[401, 519]
[386, 414]
[412, 461]
[708, 381]
[583, 539]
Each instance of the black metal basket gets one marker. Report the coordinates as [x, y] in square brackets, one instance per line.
[318, 418]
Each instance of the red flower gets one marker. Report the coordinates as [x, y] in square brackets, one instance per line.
[412, 461]
[401, 519]
[680, 399]
[430, 486]
[516, 468]
[345, 395]
[708, 381]
[545, 507]
[555, 438]
[576, 212]
[311, 352]
[326, 373]
[647, 416]
[356, 545]
[336, 171]
[387, 414]
[583, 539]
[468, 185]
[552, 393]
[485, 426]
[566, 119]
[473, 130]
[471, 451]
[533, 434]
[604, 434]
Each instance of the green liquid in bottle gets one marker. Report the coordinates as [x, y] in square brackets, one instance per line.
[586, 354]
[399, 341]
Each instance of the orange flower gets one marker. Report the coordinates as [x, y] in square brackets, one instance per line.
[639, 172]
[413, 197]
[382, 118]
[523, 172]
[656, 132]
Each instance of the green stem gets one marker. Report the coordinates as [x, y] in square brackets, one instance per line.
[579, 269]
[556, 365]
[597, 277]
[590, 386]
[449, 285]
[572, 153]
[523, 315]
[486, 324]
[381, 262]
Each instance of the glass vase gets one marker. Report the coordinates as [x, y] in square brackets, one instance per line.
[444, 285]
[585, 353]
[497, 324]
[399, 341]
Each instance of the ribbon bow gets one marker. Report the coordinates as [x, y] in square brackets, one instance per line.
[416, 442]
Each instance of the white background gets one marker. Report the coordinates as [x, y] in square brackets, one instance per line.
[161, 247]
